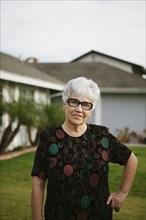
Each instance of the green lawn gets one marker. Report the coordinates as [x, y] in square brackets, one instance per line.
[15, 188]
[134, 207]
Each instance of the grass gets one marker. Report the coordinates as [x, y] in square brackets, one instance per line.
[15, 188]
[134, 207]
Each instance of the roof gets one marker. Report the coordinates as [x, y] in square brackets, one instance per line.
[104, 75]
[109, 78]
[101, 54]
[134, 67]
[15, 66]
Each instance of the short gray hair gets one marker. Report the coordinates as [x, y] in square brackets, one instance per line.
[82, 86]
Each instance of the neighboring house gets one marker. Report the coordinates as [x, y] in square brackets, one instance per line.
[21, 78]
[123, 89]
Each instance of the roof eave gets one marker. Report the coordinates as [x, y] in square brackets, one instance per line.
[30, 81]
[123, 90]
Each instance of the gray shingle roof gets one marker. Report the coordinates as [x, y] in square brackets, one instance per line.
[136, 68]
[104, 75]
[14, 65]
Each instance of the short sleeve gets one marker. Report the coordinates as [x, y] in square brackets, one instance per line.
[40, 161]
[119, 153]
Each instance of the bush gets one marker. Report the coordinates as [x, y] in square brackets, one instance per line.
[18, 148]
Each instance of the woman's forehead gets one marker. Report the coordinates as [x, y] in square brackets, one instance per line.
[81, 97]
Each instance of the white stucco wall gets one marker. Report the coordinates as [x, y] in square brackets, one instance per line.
[21, 139]
[125, 110]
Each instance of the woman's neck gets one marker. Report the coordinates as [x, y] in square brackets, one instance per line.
[74, 130]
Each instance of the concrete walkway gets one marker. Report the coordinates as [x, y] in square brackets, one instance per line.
[12, 154]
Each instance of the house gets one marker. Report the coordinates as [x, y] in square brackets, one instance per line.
[122, 85]
[22, 78]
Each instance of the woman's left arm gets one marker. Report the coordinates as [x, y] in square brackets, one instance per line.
[116, 199]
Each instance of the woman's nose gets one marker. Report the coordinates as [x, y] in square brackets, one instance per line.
[79, 107]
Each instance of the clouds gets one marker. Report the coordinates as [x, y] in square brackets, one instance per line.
[62, 30]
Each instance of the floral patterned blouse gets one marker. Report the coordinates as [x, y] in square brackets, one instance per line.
[77, 172]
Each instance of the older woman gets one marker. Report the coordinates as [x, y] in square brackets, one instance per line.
[74, 158]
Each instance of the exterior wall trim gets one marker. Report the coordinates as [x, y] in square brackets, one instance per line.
[30, 81]
[124, 90]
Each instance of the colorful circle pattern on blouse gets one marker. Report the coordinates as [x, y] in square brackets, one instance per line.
[83, 158]
[53, 149]
[78, 154]
[78, 174]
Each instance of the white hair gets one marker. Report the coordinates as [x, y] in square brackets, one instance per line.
[82, 86]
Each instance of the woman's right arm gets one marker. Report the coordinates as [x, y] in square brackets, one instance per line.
[37, 197]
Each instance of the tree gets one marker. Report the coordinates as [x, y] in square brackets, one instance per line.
[40, 123]
[26, 112]
[48, 116]
[55, 114]
[21, 112]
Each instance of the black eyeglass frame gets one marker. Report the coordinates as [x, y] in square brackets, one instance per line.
[80, 103]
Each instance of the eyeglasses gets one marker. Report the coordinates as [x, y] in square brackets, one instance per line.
[75, 102]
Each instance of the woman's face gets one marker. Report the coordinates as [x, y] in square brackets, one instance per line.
[78, 115]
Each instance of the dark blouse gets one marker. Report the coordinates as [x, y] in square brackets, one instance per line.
[77, 172]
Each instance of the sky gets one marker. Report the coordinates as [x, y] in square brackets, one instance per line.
[60, 31]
